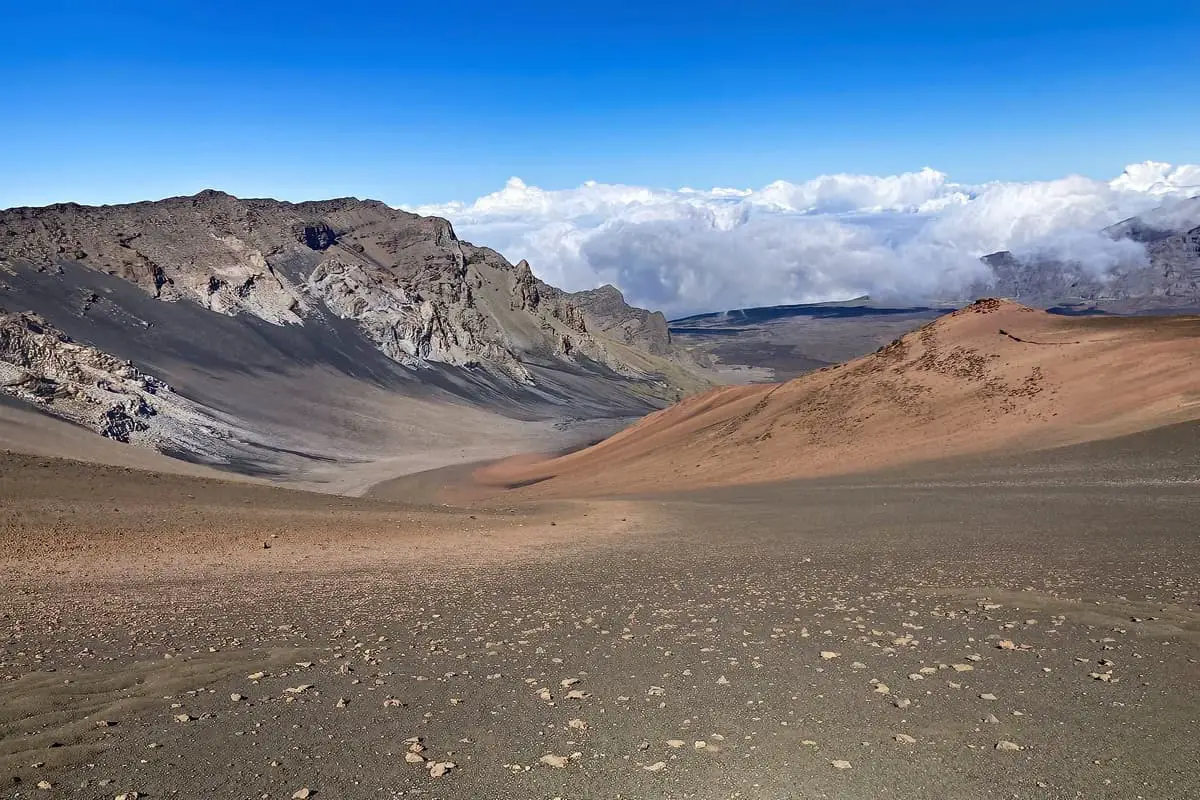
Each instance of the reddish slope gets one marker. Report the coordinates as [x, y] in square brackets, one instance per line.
[993, 375]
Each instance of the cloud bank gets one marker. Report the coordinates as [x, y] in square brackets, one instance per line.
[915, 236]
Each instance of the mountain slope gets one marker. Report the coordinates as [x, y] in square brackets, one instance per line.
[271, 319]
[994, 375]
[1167, 277]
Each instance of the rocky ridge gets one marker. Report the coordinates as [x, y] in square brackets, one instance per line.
[606, 311]
[1168, 276]
[419, 293]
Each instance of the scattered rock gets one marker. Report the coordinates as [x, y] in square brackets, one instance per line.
[558, 762]
[840, 764]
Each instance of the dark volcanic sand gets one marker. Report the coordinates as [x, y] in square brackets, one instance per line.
[699, 618]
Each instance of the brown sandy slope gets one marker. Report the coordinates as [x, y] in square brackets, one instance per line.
[996, 375]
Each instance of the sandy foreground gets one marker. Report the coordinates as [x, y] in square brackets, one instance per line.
[984, 627]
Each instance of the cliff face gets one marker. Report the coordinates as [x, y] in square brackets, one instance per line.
[419, 293]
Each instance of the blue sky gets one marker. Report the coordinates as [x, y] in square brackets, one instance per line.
[425, 103]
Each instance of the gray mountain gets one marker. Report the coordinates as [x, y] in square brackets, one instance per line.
[606, 311]
[1167, 277]
[214, 295]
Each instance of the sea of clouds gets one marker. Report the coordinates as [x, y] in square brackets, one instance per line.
[911, 237]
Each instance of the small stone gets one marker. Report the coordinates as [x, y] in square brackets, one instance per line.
[829, 655]
[578, 694]
[256, 676]
[962, 667]
[722, 681]
[657, 766]
[302, 794]
[675, 744]
[45, 785]
[567, 683]
[440, 768]
[987, 696]
[903, 702]
[904, 738]
[840, 764]
[551, 760]
[414, 758]
[183, 717]
[577, 724]
[237, 698]
[1004, 745]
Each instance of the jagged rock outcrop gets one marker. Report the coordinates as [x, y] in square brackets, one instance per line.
[42, 365]
[418, 292]
[609, 313]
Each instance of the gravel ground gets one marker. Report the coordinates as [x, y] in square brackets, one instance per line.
[1025, 628]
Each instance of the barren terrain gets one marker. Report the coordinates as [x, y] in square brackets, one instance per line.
[995, 376]
[982, 628]
[948, 569]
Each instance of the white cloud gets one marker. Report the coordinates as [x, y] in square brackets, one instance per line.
[918, 235]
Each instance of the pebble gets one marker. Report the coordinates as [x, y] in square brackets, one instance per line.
[840, 764]
[558, 762]
[657, 766]
[302, 794]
